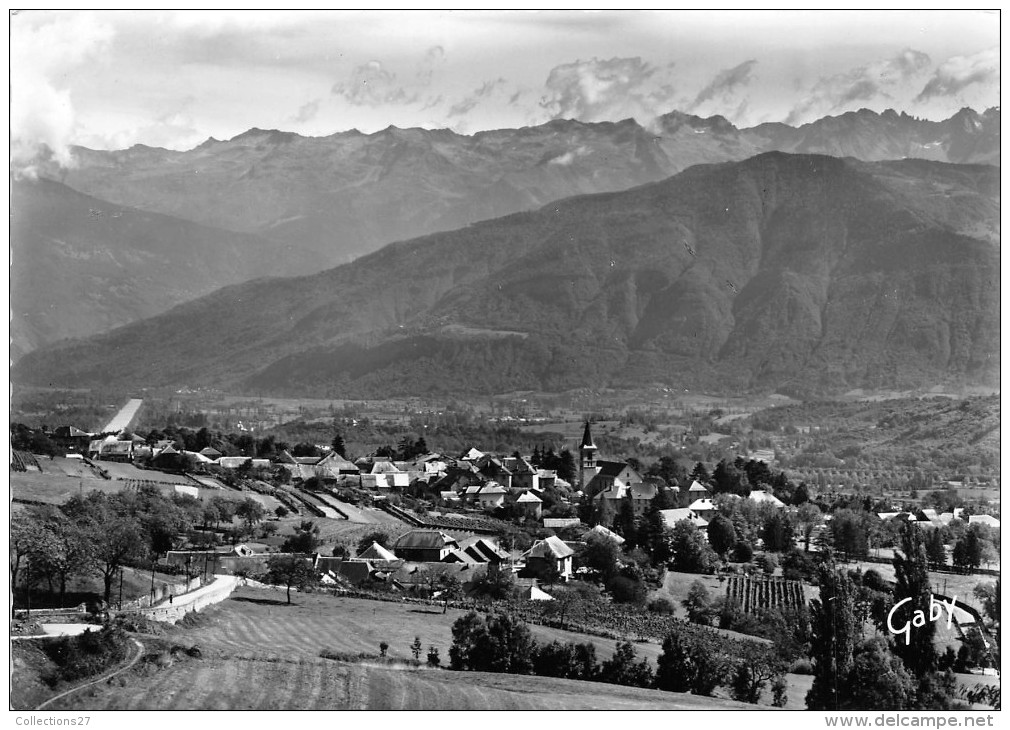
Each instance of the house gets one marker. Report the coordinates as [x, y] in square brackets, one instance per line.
[530, 504]
[232, 462]
[672, 516]
[71, 438]
[472, 455]
[394, 475]
[424, 546]
[983, 520]
[491, 496]
[704, 507]
[111, 449]
[483, 550]
[524, 474]
[211, 453]
[547, 553]
[615, 481]
[559, 523]
[493, 469]
[609, 534]
[375, 551]
[697, 490]
[761, 496]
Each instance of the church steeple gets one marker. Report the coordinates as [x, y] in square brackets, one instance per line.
[587, 458]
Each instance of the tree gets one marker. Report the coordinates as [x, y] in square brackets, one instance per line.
[291, 571]
[691, 661]
[653, 534]
[698, 604]
[833, 637]
[281, 511]
[691, 552]
[451, 589]
[850, 533]
[624, 522]
[936, 551]
[600, 554]
[566, 466]
[721, 534]
[624, 589]
[912, 582]
[500, 643]
[416, 647]
[377, 536]
[877, 680]
[250, 511]
[622, 668]
[576, 598]
[494, 584]
[338, 445]
[757, 665]
[777, 532]
[968, 552]
[809, 517]
[433, 659]
[111, 529]
[305, 539]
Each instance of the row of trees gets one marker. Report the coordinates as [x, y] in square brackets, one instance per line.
[97, 534]
[693, 660]
[851, 672]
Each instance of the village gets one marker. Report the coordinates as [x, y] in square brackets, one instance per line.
[574, 540]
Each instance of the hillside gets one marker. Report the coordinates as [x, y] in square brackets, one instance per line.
[333, 198]
[795, 273]
[81, 265]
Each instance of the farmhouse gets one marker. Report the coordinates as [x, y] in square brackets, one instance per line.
[423, 546]
[548, 553]
[530, 504]
[672, 516]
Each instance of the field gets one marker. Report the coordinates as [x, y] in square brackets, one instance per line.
[321, 684]
[255, 640]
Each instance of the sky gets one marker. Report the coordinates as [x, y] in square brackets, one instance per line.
[112, 79]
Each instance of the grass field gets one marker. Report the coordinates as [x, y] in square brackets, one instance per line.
[254, 640]
[321, 684]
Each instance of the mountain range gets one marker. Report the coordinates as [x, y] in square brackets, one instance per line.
[331, 199]
[276, 203]
[794, 272]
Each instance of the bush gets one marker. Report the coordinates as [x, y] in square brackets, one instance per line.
[90, 653]
[802, 666]
[662, 605]
[742, 552]
[627, 590]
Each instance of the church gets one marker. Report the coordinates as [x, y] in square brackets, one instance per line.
[608, 482]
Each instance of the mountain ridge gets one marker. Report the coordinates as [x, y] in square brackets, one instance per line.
[339, 196]
[790, 272]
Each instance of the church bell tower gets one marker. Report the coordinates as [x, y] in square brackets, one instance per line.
[587, 458]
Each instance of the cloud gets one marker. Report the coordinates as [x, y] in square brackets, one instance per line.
[467, 103]
[434, 57]
[372, 85]
[865, 83]
[569, 157]
[44, 48]
[960, 72]
[307, 112]
[725, 82]
[606, 90]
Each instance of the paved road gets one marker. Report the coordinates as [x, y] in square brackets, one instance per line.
[122, 419]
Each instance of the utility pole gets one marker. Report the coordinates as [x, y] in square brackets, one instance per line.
[120, 587]
[152, 580]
